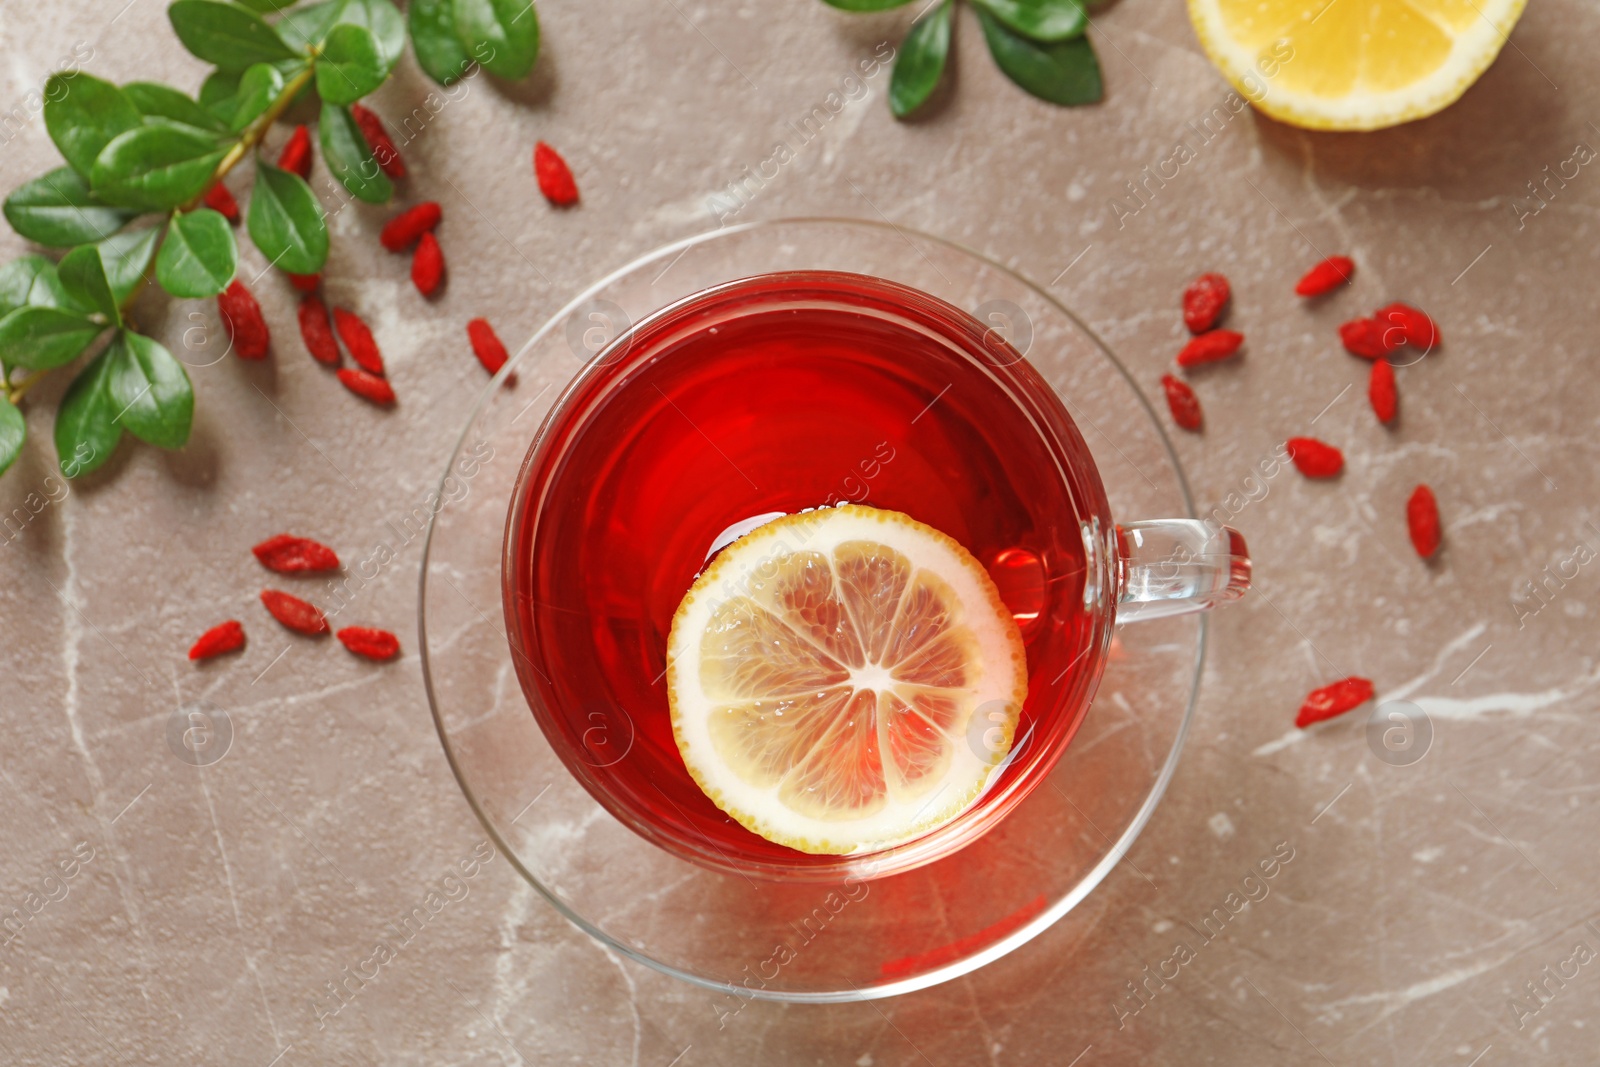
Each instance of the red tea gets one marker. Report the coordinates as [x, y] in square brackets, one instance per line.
[769, 396]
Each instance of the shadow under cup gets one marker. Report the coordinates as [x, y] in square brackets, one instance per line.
[775, 394]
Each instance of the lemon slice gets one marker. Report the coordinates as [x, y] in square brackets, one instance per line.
[1352, 64]
[823, 674]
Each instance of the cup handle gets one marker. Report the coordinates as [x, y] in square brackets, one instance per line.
[1175, 566]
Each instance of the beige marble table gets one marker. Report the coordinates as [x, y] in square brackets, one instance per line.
[207, 908]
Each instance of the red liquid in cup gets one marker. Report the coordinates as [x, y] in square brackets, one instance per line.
[777, 394]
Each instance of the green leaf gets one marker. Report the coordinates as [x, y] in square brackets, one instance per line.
[228, 36]
[87, 430]
[156, 167]
[83, 114]
[433, 38]
[16, 281]
[502, 34]
[83, 274]
[199, 257]
[46, 290]
[43, 337]
[267, 6]
[13, 431]
[58, 211]
[125, 258]
[349, 65]
[258, 87]
[154, 399]
[220, 87]
[349, 157]
[920, 64]
[381, 19]
[1065, 72]
[304, 28]
[866, 5]
[156, 101]
[286, 222]
[1041, 20]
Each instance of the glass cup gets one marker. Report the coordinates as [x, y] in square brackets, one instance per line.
[580, 794]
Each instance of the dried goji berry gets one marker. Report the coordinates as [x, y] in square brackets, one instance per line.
[296, 614]
[555, 177]
[487, 347]
[1325, 276]
[218, 199]
[241, 317]
[358, 339]
[1210, 347]
[1203, 302]
[1331, 700]
[373, 644]
[288, 554]
[427, 265]
[1184, 404]
[316, 332]
[1381, 390]
[1368, 338]
[296, 154]
[305, 283]
[384, 153]
[1422, 519]
[224, 637]
[406, 227]
[1314, 458]
[367, 386]
[1409, 324]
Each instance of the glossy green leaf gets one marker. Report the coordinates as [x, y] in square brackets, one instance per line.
[305, 27]
[349, 157]
[156, 167]
[920, 64]
[199, 256]
[16, 281]
[433, 37]
[381, 19]
[43, 337]
[156, 101]
[1064, 72]
[151, 390]
[83, 115]
[503, 35]
[126, 256]
[57, 210]
[13, 432]
[219, 88]
[226, 35]
[83, 274]
[258, 88]
[866, 5]
[349, 65]
[286, 221]
[87, 430]
[268, 6]
[46, 290]
[1041, 20]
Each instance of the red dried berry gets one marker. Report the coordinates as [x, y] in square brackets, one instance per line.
[296, 614]
[1325, 276]
[373, 644]
[427, 265]
[296, 154]
[384, 152]
[1203, 302]
[486, 345]
[305, 283]
[1422, 519]
[1407, 323]
[221, 201]
[358, 339]
[1181, 400]
[241, 317]
[288, 554]
[1332, 700]
[555, 177]
[224, 637]
[1210, 347]
[1381, 391]
[406, 227]
[316, 332]
[1368, 338]
[1315, 459]
[367, 386]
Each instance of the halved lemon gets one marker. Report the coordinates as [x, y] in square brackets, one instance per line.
[1352, 64]
[845, 679]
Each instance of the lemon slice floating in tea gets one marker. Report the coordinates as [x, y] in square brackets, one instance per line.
[1352, 64]
[824, 674]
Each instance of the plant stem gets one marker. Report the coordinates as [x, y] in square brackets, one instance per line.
[23, 386]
